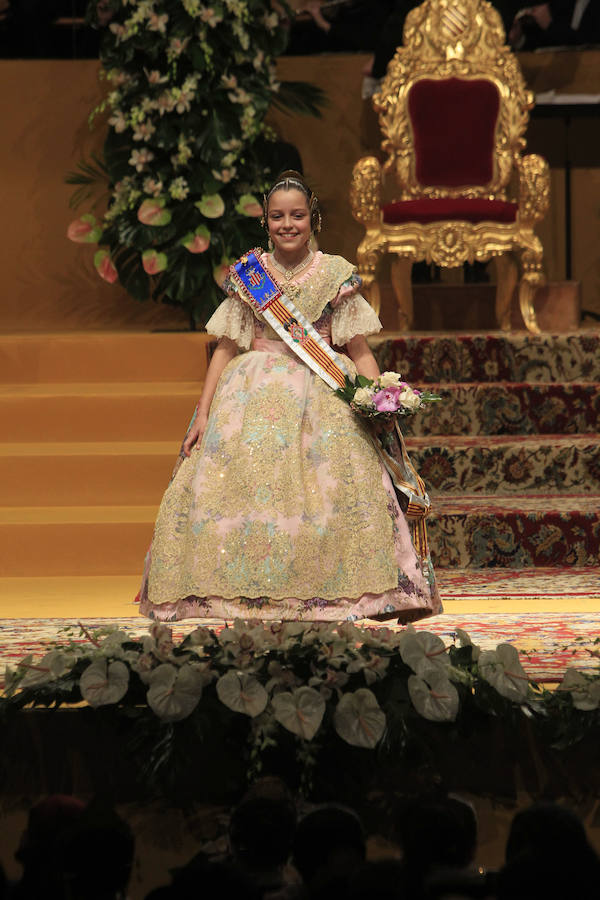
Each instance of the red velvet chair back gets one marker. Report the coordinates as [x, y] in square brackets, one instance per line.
[453, 123]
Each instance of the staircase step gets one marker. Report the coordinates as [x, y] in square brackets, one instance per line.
[478, 531]
[495, 356]
[508, 464]
[87, 473]
[74, 540]
[103, 356]
[510, 408]
[97, 412]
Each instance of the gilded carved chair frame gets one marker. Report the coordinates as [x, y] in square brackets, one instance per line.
[446, 39]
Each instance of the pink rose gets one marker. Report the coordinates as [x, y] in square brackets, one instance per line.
[387, 400]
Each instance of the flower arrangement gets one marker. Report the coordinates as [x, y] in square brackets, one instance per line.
[188, 151]
[386, 398]
[314, 683]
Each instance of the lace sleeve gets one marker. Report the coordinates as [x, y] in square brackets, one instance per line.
[352, 315]
[233, 319]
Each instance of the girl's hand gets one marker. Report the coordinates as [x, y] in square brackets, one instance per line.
[194, 435]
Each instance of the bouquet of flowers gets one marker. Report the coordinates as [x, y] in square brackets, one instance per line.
[386, 398]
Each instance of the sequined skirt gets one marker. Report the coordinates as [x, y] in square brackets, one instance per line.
[283, 511]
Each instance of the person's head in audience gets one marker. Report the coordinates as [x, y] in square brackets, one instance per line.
[203, 879]
[548, 856]
[261, 832]
[98, 855]
[41, 846]
[437, 833]
[329, 848]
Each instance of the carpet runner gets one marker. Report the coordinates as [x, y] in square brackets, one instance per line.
[511, 456]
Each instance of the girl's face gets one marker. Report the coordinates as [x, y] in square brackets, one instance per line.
[288, 220]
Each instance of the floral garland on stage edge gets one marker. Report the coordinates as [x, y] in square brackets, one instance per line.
[188, 152]
[314, 683]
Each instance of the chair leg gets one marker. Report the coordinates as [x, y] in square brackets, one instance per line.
[400, 269]
[532, 278]
[507, 272]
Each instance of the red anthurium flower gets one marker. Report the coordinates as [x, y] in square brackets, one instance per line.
[154, 262]
[105, 266]
[84, 230]
[197, 241]
[152, 212]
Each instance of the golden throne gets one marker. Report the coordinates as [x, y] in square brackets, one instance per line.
[453, 109]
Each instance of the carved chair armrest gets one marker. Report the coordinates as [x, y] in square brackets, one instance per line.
[365, 191]
[534, 188]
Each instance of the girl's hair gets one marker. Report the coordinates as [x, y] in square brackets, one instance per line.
[292, 180]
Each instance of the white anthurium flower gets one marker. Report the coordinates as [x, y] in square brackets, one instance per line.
[435, 699]
[359, 719]
[464, 640]
[48, 668]
[112, 645]
[300, 711]
[242, 693]
[503, 670]
[163, 639]
[585, 692]
[174, 693]
[382, 637]
[329, 681]
[104, 682]
[334, 653]
[319, 633]
[372, 667]
[348, 632]
[423, 651]
[284, 634]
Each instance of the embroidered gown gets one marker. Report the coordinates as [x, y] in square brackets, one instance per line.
[285, 511]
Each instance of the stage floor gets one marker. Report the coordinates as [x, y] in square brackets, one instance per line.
[551, 615]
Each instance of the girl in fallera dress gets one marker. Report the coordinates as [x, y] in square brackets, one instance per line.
[281, 508]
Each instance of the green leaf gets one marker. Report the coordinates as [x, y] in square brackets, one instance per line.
[300, 98]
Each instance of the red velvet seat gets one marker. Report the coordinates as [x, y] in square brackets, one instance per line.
[447, 209]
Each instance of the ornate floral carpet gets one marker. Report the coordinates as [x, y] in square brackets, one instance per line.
[548, 642]
[511, 456]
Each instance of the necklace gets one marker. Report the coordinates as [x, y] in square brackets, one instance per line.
[288, 274]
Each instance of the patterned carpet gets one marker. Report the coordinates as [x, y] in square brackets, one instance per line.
[548, 642]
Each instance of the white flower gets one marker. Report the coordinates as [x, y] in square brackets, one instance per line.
[301, 711]
[48, 668]
[410, 399]
[585, 692]
[372, 667]
[242, 693]
[464, 640]
[271, 21]
[359, 719]
[364, 397]
[112, 645]
[201, 637]
[158, 22]
[282, 677]
[225, 175]
[103, 683]
[423, 652]
[140, 158]
[152, 187]
[179, 189]
[229, 81]
[143, 131]
[174, 693]
[208, 15]
[118, 121]
[162, 636]
[503, 670]
[389, 379]
[435, 699]
[154, 77]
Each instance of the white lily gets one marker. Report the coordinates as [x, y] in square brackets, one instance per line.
[48, 668]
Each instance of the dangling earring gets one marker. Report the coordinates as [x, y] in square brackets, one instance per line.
[270, 245]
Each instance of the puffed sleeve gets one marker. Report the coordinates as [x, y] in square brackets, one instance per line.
[352, 314]
[233, 319]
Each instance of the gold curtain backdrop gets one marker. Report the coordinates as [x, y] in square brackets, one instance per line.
[49, 284]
